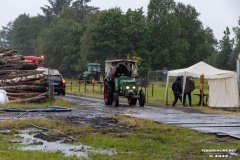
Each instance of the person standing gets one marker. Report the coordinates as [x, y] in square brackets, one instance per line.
[177, 90]
[189, 87]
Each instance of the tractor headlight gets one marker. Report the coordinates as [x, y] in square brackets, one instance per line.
[127, 87]
[134, 87]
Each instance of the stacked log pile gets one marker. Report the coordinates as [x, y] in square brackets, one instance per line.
[20, 79]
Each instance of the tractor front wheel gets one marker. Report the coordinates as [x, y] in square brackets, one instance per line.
[132, 101]
[141, 99]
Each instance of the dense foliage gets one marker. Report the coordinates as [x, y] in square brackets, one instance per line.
[71, 33]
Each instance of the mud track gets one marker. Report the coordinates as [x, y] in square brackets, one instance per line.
[219, 124]
[93, 112]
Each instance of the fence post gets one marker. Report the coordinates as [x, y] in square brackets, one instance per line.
[145, 85]
[79, 86]
[71, 86]
[85, 87]
[93, 87]
[101, 88]
[152, 89]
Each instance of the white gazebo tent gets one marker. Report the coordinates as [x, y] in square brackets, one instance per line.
[223, 88]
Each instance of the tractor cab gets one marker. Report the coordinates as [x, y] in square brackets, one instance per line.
[93, 73]
[118, 68]
[120, 81]
[93, 67]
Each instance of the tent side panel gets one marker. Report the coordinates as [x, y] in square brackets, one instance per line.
[223, 92]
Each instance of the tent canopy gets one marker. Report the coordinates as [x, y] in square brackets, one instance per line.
[222, 81]
[200, 68]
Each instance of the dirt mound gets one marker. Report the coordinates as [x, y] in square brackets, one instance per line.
[49, 138]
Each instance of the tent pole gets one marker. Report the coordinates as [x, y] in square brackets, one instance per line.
[238, 70]
[184, 83]
[166, 94]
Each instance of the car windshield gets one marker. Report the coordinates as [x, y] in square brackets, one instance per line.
[55, 78]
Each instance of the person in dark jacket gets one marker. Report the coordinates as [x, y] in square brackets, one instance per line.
[177, 90]
[122, 70]
[189, 87]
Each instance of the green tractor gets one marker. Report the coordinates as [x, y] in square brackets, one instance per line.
[120, 81]
[93, 73]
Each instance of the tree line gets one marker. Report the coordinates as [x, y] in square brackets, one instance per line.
[71, 33]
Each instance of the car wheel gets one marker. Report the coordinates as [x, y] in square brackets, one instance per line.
[63, 92]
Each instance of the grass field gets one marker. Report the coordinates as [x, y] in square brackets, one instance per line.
[135, 140]
[55, 102]
[155, 92]
[155, 95]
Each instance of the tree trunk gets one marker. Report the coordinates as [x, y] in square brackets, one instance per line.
[20, 79]
[31, 88]
[17, 80]
[23, 95]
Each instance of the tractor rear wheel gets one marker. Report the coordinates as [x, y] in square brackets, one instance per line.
[108, 96]
[132, 101]
[80, 77]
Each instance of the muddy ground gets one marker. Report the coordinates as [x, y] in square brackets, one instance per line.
[93, 112]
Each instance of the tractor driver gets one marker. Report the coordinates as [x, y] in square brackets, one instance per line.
[121, 70]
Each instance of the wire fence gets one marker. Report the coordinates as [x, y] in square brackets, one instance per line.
[153, 85]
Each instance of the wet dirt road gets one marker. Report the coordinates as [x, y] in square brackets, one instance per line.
[89, 110]
[220, 124]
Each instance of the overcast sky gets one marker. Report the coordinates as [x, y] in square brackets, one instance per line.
[216, 14]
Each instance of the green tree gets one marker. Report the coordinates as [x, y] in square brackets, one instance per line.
[104, 36]
[83, 9]
[137, 36]
[61, 42]
[200, 41]
[23, 32]
[178, 38]
[112, 34]
[165, 47]
[5, 35]
[236, 31]
[56, 7]
[226, 51]
[135, 31]
[210, 48]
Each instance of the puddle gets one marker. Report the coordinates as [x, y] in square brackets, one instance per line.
[33, 143]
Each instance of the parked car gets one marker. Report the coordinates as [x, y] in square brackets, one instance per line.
[58, 84]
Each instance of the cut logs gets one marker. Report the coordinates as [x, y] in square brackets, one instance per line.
[20, 79]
